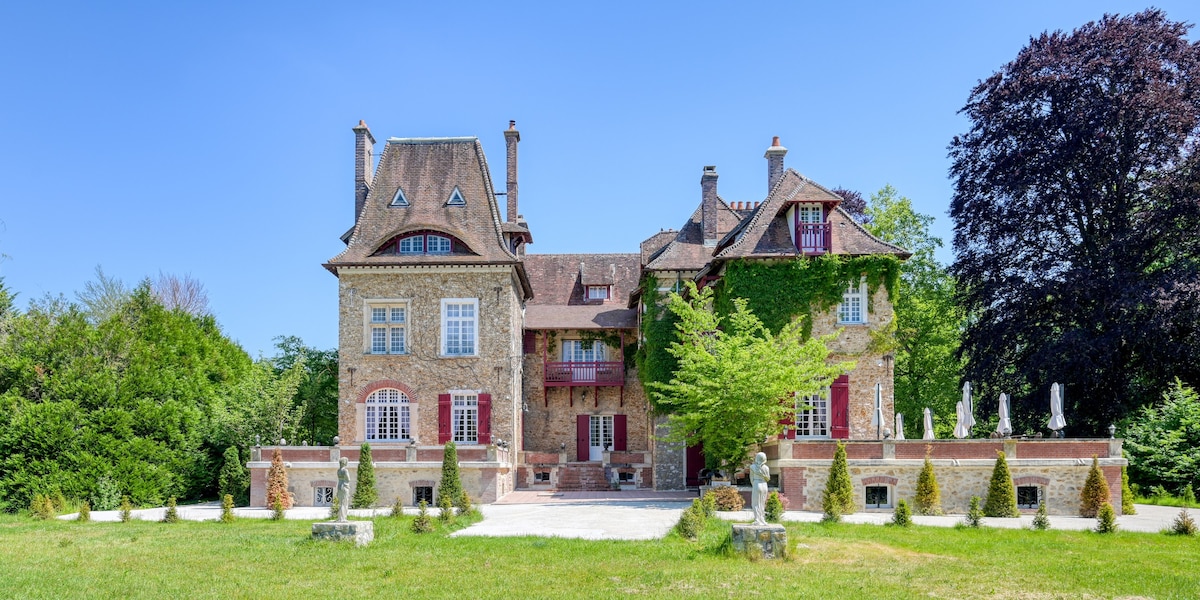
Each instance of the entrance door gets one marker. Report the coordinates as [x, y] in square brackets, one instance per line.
[600, 435]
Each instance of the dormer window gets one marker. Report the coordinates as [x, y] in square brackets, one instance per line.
[423, 242]
[597, 292]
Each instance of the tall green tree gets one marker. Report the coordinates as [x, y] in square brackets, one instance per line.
[365, 495]
[1075, 220]
[317, 392]
[1162, 440]
[928, 322]
[735, 379]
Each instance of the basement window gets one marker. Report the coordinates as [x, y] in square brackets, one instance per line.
[624, 477]
[423, 492]
[541, 477]
[877, 497]
[1028, 496]
[323, 496]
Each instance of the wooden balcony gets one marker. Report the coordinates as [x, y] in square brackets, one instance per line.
[813, 238]
[570, 374]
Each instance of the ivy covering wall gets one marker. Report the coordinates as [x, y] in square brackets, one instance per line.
[775, 291]
[779, 291]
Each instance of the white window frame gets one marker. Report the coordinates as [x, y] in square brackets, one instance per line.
[472, 326]
[809, 212]
[853, 308]
[576, 351]
[598, 292]
[464, 416]
[382, 409]
[813, 422]
[441, 241]
[389, 326]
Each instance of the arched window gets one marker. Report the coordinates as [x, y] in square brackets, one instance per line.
[388, 416]
[423, 242]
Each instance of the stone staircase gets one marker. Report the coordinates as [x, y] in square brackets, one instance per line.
[582, 477]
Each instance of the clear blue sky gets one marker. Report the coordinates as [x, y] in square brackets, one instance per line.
[213, 138]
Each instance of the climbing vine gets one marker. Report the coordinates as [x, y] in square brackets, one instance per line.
[779, 291]
[654, 363]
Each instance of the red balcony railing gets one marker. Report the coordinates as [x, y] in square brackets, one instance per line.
[812, 238]
[566, 374]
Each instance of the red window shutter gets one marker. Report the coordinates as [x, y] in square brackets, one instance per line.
[485, 418]
[619, 433]
[444, 434]
[839, 408]
[582, 438]
[529, 342]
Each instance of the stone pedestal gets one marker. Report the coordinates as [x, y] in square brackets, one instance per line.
[767, 541]
[359, 532]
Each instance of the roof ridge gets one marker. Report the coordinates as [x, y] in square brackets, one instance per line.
[860, 227]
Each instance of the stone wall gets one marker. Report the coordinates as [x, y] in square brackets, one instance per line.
[485, 480]
[550, 413]
[853, 343]
[669, 460]
[963, 468]
[423, 373]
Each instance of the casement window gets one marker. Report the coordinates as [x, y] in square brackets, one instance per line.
[386, 327]
[597, 292]
[853, 309]
[460, 326]
[813, 422]
[422, 242]
[387, 416]
[582, 351]
[808, 213]
[465, 417]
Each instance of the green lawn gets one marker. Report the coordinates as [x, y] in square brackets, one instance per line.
[265, 559]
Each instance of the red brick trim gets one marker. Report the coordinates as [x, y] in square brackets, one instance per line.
[324, 483]
[422, 483]
[880, 479]
[385, 383]
[1031, 480]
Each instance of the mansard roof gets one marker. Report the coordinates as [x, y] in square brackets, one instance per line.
[560, 298]
[766, 234]
[686, 251]
[428, 171]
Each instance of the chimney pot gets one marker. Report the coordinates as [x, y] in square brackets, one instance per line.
[512, 124]
[775, 141]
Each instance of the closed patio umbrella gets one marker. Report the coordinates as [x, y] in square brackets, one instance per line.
[1004, 426]
[928, 425]
[899, 426]
[969, 406]
[1057, 422]
[960, 427]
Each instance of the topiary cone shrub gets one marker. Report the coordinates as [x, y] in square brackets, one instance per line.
[365, 495]
[277, 483]
[422, 523]
[126, 509]
[227, 508]
[1002, 496]
[1041, 521]
[1095, 491]
[450, 487]
[1126, 493]
[774, 507]
[85, 512]
[1106, 518]
[838, 487]
[974, 514]
[172, 515]
[902, 516]
[929, 497]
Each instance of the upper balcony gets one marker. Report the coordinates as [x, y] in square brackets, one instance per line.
[813, 238]
[570, 374]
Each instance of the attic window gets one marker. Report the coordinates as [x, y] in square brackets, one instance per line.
[597, 292]
[423, 242]
[399, 199]
[456, 198]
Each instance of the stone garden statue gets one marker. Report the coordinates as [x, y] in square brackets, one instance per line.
[343, 489]
[760, 473]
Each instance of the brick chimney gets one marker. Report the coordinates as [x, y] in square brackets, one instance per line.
[709, 205]
[511, 137]
[364, 174]
[774, 158]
